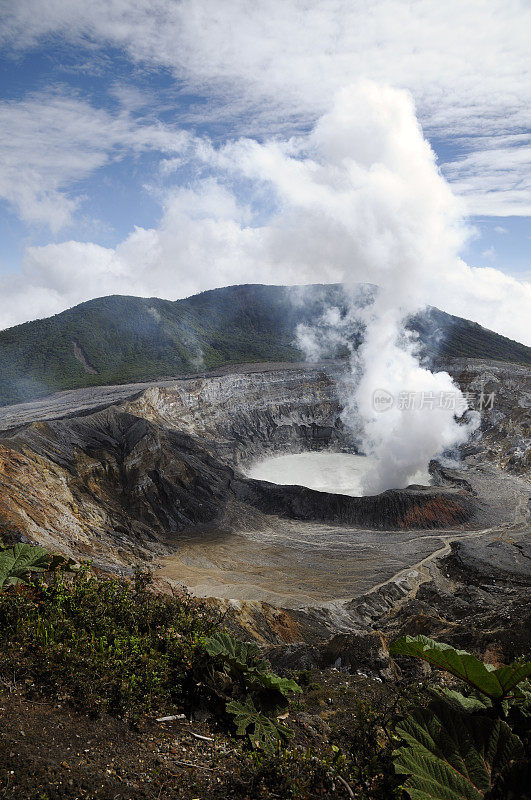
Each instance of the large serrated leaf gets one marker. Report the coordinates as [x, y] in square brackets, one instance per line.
[18, 561]
[522, 698]
[495, 683]
[511, 675]
[264, 732]
[461, 702]
[222, 645]
[274, 682]
[453, 756]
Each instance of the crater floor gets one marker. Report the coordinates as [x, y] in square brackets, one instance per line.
[297, 564]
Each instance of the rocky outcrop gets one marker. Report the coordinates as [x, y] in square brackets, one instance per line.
[108, 485]
[421, 507]
[492, 561]
[245, 416]
[502, 394]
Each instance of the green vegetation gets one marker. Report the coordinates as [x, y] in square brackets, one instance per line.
[495, 684]
[102, 646]
[465, 745]
[19, 562]
[127, 339]
[260, 695]
[109, 644]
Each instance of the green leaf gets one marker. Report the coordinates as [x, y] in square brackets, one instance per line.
[18, 561]
[460, 702]
[274, 682]
[264, 732]
[453, 756]
[222, 645]
[510, 676]
[495, 683]
[522, 698]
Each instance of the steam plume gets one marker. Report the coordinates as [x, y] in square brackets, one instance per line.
[404, 226]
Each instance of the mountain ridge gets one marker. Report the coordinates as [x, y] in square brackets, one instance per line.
[120, 338]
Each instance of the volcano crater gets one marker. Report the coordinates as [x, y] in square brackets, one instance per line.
[163, 475]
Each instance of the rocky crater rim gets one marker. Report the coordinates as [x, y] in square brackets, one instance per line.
[153, 474]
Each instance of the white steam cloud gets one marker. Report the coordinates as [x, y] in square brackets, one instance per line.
[405, 229]
[402, 438]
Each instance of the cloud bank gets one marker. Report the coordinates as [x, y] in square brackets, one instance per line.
[358, 198]
[269, 68]
[50, 140]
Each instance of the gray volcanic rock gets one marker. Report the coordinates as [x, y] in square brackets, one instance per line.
[396, 508]
[477, 598]
[494, 560]
[358, 652]
[109, 484]
[502, 394]
[245, 416]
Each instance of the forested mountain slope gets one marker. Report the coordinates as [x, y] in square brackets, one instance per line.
[120, 339]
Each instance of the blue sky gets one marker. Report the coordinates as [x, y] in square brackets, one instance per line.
[114, 116]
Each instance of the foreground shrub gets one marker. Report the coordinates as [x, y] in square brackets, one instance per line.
[103, 643]
[100, 643]
[254, 695]
[20, 562]
[465, 744]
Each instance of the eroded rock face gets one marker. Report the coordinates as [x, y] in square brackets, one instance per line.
[474, 600]
[108, 485]
[242, 417]
[503, 391]
[394, 509]
[251, 410]
[494, 561]
[358, 652]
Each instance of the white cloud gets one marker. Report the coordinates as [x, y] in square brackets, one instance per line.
[494, 181]
[358, 199]
[202, 242]
[50, 140]
[267, 66]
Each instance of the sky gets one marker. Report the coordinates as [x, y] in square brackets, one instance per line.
[160, 148]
